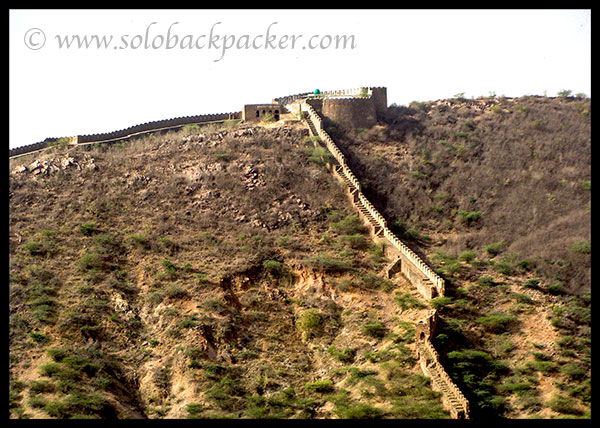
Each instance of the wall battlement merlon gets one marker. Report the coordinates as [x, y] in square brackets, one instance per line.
[131, 131]
[452, 397]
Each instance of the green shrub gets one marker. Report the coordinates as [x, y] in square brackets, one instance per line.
[56, 409]
[320, 386]
[222, 157]
[524, 264]
[273, 267]
[345, 355]
[358, 411]
[169, 267]
[57, 354]
[190, 129]
[90, 261]
[310, 321]
[39, 338]
[194, 410]
[373, 281]
[85, 403]
[88, 228]
[556, 288]
[187, 322]
[515, 387]
[531, 283]
[310, 139]
[397, 228]
[496, 322]
[440, 302]
[327, 263]
[174, 291]
[522, 298]
[486, 281]
[541, 366]
[374, 329]
[139, 240]
[574, 370]
[406, 301]
[37, 402]
[59, 142]
[446, 263]
[447, 145]
[34, 248]
[350, 225]
[469, 217]
[318, 155]
[581, 247]
[41, 387]
[201, 278]
[503, 268]
[564, 93]
[495, 248]
[356, 241]
[467, 256]
[562, 404]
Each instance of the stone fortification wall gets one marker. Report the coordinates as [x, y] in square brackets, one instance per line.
[351, 112]
[157, 126]
[28, 148]
[379, 97]
[427, 282]
[288, 99]
[409, 255]
[429, 361]
[136, 130]
[357, 107]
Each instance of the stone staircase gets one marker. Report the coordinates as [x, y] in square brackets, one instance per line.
[311, 128]
[440, 381]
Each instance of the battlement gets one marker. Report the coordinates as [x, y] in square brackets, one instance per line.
[356, 108]
[132, 131]
[426, 281]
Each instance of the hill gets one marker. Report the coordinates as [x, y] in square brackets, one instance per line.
[495, 193]
[222, 272]
[465, 175]
[202, 273]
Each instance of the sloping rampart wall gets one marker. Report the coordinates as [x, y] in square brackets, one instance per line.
[136, 130]
[427, 282]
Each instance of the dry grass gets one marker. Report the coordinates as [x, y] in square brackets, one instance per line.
[170, 277]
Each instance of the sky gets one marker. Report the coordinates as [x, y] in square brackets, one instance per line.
[74, 72]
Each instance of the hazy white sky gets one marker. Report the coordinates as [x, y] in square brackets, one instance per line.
[168, 63]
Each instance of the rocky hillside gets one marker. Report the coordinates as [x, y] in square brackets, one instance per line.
[206, 273]
[220, 272]
[496, 194]
[512, 175]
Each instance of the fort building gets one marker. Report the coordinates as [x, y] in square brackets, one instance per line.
[355, 108]
[257, 112]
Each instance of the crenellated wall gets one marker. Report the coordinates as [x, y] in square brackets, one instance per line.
[357, 108]
[427, 282]
[136, 130]
[352, 108]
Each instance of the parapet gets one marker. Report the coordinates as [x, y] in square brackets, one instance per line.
[356, 107]
[132, 131]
